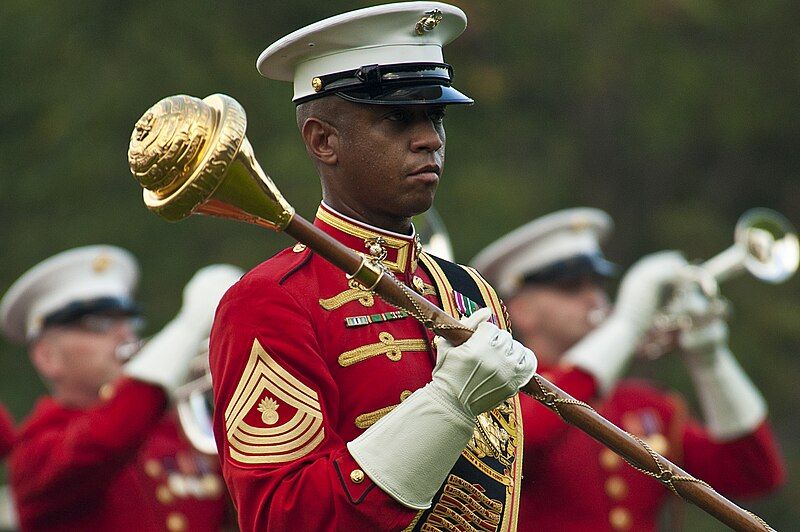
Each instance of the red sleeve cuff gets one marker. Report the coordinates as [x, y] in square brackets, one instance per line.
[355, 482]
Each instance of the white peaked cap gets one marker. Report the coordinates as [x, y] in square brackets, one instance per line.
[387, 34]
[544, 243]
[72, 277]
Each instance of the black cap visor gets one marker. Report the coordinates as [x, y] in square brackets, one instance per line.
[104, 305]
[396, 84]
[408, 95]
[580, 267]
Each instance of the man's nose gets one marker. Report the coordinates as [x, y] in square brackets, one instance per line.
[426, 136]
[597, 299]
[125, 331]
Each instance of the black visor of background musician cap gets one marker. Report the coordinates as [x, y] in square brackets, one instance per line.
[102, 305]
[396, 84]
[593, 266]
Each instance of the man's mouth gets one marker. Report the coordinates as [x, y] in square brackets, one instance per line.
[429, 172]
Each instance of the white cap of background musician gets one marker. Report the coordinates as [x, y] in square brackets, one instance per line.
[67, 286]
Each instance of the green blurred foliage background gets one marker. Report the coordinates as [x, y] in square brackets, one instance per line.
[675, 116]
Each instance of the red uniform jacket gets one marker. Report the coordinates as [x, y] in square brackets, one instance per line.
[7, 433]
[304, 361]
[574, 483]
[122, 465]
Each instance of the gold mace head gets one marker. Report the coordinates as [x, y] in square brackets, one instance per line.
[182, 147]
[192, 156]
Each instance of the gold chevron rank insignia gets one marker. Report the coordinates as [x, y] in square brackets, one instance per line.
[272, 418]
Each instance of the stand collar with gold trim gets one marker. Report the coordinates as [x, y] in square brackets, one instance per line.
[400, 253]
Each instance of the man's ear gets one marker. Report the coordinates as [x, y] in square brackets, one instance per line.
[45, 358]
[322, 140]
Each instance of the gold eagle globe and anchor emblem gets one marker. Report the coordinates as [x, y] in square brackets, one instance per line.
[428, 22]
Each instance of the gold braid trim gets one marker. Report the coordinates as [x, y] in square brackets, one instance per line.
[414, 522]
[551, 400]
[761, 521]
[354, 292]
[664, 475]
[365, 421]
[393, 349]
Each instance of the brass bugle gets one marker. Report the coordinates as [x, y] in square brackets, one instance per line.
[765, 245]
[191, 156]
[193, 404]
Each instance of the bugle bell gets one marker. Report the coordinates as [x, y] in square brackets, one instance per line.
[194, 404]
[765, 245]
[433, 234]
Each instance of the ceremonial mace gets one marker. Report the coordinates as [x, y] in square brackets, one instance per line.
[191, 156]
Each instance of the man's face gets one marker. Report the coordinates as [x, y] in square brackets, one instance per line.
[390, 159]
[553, 317]
[82, 356]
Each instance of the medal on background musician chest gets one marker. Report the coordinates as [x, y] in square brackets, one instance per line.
[646, 424]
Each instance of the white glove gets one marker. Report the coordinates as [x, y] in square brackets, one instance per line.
[164, 359]
[409, 452]
[605, 352]
[485, 370]
[731, 404]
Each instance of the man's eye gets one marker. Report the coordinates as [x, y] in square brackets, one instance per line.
[397, 116]
[437, 117]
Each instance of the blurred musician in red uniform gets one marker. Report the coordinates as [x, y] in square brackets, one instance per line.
[103, 451]
[550, 273]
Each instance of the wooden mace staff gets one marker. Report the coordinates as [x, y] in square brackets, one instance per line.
[191, 156]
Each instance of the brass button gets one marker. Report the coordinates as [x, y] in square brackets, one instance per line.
[609, 460]
[153, 468]
[357, 476]
[106, 392]
[620, 518]
[212, 485]
[616, 487]
[177, 485]
[163, 495]
[316, 83]
[176, 522]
